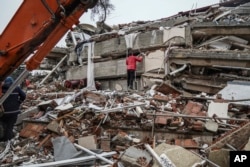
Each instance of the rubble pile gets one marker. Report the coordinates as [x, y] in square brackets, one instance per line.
[190, 106]
[138, 128]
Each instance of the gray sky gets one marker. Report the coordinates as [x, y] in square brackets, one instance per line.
[126, 11]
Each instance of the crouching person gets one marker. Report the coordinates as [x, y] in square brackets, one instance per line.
[11, 107]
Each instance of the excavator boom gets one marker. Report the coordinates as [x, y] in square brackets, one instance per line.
[35, 29]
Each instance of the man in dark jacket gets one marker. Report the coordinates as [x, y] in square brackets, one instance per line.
[11, 108]
[78, 49]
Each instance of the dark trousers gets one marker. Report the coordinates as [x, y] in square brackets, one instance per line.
[8, 121]
[130, 78]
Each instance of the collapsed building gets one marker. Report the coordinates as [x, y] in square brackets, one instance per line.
[191, 94]
[197, 51]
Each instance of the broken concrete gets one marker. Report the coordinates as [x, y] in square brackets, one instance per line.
[136, 157]
[178, 156]
[177, 108]
[220, 157]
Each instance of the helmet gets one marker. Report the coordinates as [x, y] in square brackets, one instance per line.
[8, 81]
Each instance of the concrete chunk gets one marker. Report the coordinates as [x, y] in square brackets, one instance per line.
[179, 156]
[219, 109]
[136, 157]
[54, 127]
[64, 107]
[212, 126]
[247, 146]
[220, 157]
[88, 142]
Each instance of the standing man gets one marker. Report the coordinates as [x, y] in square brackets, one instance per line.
[131, 67]
[78, 49]
[11, 107]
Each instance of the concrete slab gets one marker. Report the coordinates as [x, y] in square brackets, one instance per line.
[220, 109]
[26, 114]
[174, 32]
[154, 60]
[220, 157]
[179, 156]
[88, 142]
[64, 107]
[54, 127]
[247, 146]
[236, 90]
[212, 126]
[133, 157]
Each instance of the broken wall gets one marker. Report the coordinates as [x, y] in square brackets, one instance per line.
[197, 51]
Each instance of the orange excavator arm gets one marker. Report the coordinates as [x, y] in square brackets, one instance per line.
[35, 29]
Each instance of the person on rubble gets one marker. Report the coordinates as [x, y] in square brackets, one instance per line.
[78, 49]
[11, 108]
[131, 67]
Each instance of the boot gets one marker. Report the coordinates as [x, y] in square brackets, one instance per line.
[80, 61]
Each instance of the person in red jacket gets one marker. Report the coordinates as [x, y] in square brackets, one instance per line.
[131, 67]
